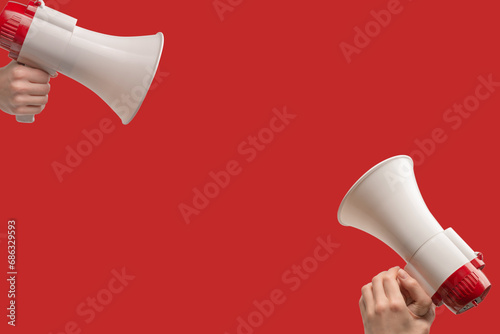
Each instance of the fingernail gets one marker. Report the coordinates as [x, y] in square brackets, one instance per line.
[402, 274]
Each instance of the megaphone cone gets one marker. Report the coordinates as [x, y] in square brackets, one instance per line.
[119, 70]
[386, 203]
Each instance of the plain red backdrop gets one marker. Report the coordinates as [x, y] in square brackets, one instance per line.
[119, 207]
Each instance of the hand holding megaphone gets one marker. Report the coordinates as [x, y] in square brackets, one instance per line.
[23, 91]
[119, 70]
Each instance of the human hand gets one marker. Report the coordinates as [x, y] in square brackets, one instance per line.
[23, 90]
[394, 303]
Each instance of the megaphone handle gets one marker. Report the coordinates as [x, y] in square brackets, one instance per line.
[25, 118]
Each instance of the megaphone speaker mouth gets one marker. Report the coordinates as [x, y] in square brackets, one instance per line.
[148, 78]
[405, 167]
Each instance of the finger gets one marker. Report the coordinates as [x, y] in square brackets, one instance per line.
[379, 295]
[30, 100]
[367, 298]
[422, 303]
[29, 110]
[391, 286]
[362, 306]
[38, 89]
[38, 76]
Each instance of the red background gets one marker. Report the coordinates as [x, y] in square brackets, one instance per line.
[119, 208]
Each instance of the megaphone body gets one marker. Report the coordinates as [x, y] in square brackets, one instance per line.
[386, 203]
[119, 70]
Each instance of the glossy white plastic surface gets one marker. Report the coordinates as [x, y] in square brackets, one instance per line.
[386, 203]
[119, 70]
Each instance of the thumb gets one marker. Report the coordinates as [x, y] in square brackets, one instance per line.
[420, 303]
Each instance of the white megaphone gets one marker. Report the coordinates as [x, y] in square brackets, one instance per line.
[386, 203]
[119, 70]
